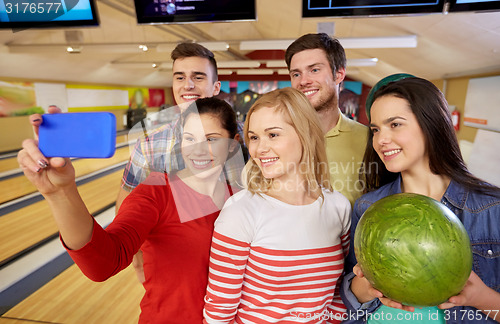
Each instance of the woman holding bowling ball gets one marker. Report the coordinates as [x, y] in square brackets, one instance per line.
[169, 216]
[412, 148]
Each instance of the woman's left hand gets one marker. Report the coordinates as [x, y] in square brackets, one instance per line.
[472, 291]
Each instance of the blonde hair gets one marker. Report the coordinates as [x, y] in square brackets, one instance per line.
[299, 113]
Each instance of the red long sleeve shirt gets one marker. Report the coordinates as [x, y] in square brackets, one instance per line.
[172, 224]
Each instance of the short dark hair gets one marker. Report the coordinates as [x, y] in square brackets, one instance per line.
[183, 50]
[331, 46]
[218, 108]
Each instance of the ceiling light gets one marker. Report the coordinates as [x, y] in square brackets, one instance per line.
[408, 41]
[380, 42]
[74, 49]
[238, 64]
[254, 72]
[115, 48]
[362, 62]
[89, 48]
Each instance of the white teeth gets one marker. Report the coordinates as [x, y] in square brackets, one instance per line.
[392, 152]
[269, 160]
[309, 92]
[201, 162]
[190, 97]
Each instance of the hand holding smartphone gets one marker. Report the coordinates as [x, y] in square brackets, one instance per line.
[81, 135]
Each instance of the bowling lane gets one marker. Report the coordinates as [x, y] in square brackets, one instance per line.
[8, 164]
[29, 225]
[72, 298]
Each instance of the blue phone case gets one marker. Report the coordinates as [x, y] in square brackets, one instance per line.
[82, 135]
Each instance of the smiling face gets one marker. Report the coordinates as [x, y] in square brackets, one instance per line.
[310, 73]
[274, 145]
[193, 78]
[397, 136]
[205, 145]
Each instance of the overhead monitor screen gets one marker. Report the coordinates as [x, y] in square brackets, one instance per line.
[350, 8]
[47, 13]
[477, 5]
[189, 11]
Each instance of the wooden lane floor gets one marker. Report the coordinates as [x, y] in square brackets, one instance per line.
[29, 225]
[15, 187]
[8, 164]
[73, 298]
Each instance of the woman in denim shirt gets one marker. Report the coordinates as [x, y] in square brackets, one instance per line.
[412, 147]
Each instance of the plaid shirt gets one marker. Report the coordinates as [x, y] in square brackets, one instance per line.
[159, 151]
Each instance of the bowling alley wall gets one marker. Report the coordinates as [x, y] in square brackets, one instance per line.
[20, 98]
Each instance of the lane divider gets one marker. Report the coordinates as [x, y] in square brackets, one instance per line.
[30, 272]
[24, 201]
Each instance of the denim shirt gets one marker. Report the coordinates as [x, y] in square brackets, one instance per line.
[480, 215]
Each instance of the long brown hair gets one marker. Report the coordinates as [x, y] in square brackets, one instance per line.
[299, 113]
[431, 111]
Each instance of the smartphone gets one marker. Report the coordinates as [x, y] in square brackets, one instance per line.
[80, 135]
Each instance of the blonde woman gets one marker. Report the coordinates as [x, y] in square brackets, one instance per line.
[279, 245]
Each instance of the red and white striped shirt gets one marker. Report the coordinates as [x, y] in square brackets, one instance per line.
[273, 262]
